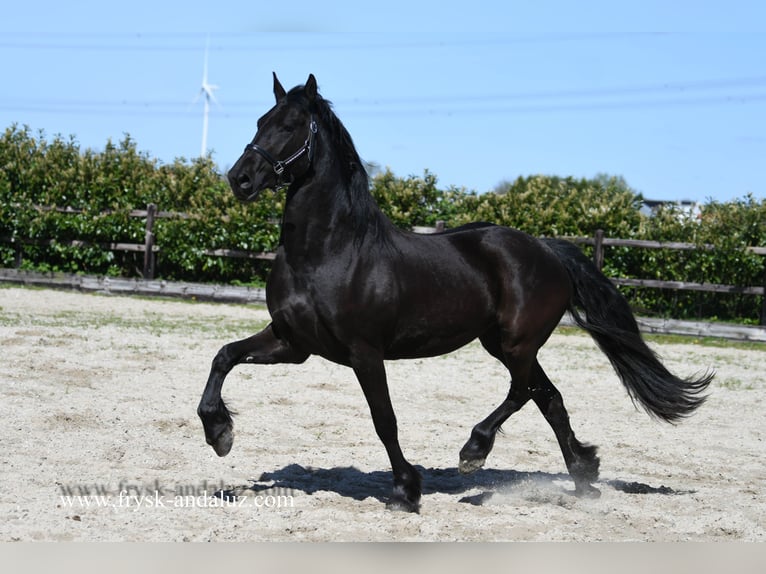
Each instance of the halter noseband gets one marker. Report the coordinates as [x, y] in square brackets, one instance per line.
[280, 165]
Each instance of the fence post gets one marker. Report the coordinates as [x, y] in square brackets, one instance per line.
[763, 297]
[19, 254]
[598, 249]
[149, 259]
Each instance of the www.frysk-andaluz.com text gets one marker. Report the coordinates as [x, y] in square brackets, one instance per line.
[135, 496]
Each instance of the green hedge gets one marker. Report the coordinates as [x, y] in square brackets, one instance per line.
[108, 184]
[730, 228]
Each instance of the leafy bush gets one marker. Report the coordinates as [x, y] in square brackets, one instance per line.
[416, 201]
[722, 232]
[554, 206]
[104, 187]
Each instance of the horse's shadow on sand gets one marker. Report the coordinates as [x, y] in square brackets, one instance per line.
[352, 483]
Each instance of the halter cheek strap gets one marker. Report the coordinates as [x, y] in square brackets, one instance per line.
[280, 165]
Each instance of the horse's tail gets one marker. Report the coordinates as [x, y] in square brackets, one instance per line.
[610, 321]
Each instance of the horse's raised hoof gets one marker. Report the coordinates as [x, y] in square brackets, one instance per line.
[467, 466]
[222, 444]
[587, 491]
[474, 453]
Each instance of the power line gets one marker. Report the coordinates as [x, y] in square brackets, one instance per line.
[406, 111]
[260, 41]
[731, 91]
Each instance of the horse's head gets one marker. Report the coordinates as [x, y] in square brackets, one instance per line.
[283, 147]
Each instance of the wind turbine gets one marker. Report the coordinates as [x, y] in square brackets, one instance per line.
[206, 92]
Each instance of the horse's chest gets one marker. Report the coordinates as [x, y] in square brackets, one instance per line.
[296, 313]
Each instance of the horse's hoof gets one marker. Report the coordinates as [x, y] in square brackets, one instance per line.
[587, 491]
[402, 505]
[222, 444]
[467, 466]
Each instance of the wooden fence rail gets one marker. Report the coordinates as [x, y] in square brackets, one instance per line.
[149, 247]
[599, 241]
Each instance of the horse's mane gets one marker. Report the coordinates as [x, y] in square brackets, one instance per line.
[364, 211]
[351, 166]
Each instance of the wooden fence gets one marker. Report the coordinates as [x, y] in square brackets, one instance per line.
[599, 241]
[149, 247]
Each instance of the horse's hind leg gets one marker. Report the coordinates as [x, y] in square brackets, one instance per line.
[581, 459]
[475, 451]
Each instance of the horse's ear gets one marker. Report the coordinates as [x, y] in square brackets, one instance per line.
[311, 87]
[279, 91]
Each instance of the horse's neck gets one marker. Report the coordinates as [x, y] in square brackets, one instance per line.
[326, 216]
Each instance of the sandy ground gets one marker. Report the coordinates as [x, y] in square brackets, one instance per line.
[101, 441]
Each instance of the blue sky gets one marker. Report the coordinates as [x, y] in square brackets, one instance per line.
[671, 95]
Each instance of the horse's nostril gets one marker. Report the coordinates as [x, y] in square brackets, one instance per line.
[243, 181]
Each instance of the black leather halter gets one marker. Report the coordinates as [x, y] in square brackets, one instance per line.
[280, 165]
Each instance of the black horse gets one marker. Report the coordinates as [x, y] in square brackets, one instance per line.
[349, 286]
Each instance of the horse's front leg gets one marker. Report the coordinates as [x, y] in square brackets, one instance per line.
[263, 348]
[371, 373]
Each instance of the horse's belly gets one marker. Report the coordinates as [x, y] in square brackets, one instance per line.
[430, 348]
[428, 339]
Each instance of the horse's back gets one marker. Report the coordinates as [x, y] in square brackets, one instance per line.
[464, 282]
[531, 283]
[514, 250]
